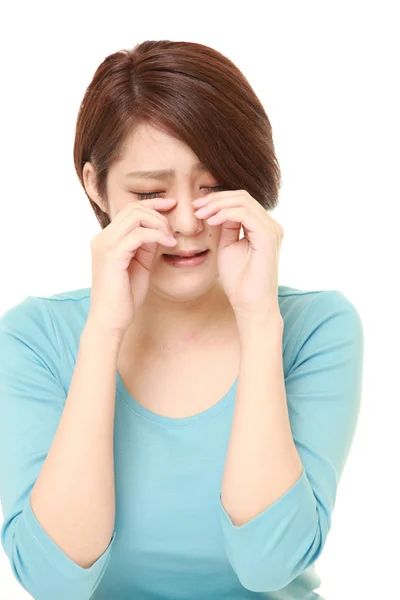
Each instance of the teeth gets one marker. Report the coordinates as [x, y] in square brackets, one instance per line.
[191, 256]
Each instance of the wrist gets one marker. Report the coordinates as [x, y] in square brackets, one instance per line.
[269, 324]
[102, 333]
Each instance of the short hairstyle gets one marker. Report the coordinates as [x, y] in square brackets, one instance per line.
[192, 92]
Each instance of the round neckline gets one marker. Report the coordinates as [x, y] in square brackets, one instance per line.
[174, 422]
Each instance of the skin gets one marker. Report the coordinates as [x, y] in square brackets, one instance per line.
[183, 306]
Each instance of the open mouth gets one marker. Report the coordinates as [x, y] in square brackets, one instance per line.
[188, 261]
[192, 256]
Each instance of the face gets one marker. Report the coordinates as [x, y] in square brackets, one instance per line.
[151, 149]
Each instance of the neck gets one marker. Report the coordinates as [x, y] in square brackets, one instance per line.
[165, 326]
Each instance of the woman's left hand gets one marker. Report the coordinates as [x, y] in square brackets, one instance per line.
[248, 267]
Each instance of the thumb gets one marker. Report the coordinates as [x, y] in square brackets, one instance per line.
[230, 233]
[145, 255]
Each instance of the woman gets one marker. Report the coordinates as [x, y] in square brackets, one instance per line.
[179, 429]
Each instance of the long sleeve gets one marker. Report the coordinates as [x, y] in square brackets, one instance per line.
[32, 398]
[323, 383]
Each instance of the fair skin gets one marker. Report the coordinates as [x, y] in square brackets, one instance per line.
[188, 310]
[184, 307]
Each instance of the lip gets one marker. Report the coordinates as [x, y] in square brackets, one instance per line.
[186, 253]
[185, 263]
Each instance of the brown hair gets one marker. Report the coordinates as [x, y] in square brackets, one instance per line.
[193, 93]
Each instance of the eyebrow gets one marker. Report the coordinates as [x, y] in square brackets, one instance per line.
[163, 173]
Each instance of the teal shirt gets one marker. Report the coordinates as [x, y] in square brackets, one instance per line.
[173, 539]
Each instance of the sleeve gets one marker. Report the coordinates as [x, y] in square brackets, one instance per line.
[323, 390]
[32, 399]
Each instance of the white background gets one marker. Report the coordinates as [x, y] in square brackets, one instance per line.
[326, 74]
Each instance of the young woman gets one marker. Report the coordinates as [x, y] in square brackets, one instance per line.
[178, 430]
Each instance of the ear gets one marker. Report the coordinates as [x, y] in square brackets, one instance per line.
[89, 180]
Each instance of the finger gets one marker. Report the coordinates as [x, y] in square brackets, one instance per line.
[134, 214]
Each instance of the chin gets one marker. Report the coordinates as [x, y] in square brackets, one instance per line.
[184, 286]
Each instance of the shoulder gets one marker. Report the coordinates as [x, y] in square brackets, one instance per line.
[45, 314]
[317, 318]
[304, 306]
[37, 328]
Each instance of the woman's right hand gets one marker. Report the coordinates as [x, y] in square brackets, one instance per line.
[122, 257]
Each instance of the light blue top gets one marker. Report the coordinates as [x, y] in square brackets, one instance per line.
[173, 539]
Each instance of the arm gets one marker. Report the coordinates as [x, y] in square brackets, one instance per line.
[279, 490]
[57, 471]
[262, 461]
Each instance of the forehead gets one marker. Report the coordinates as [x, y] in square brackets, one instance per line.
[148, 148]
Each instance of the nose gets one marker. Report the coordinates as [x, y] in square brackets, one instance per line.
[182, 219]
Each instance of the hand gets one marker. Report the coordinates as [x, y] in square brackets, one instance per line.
[122, 257]
[248, 267]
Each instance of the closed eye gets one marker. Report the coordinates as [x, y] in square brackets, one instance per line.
[149, 195]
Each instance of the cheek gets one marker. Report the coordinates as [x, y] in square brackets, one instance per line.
[215, 235]
[117, 204]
